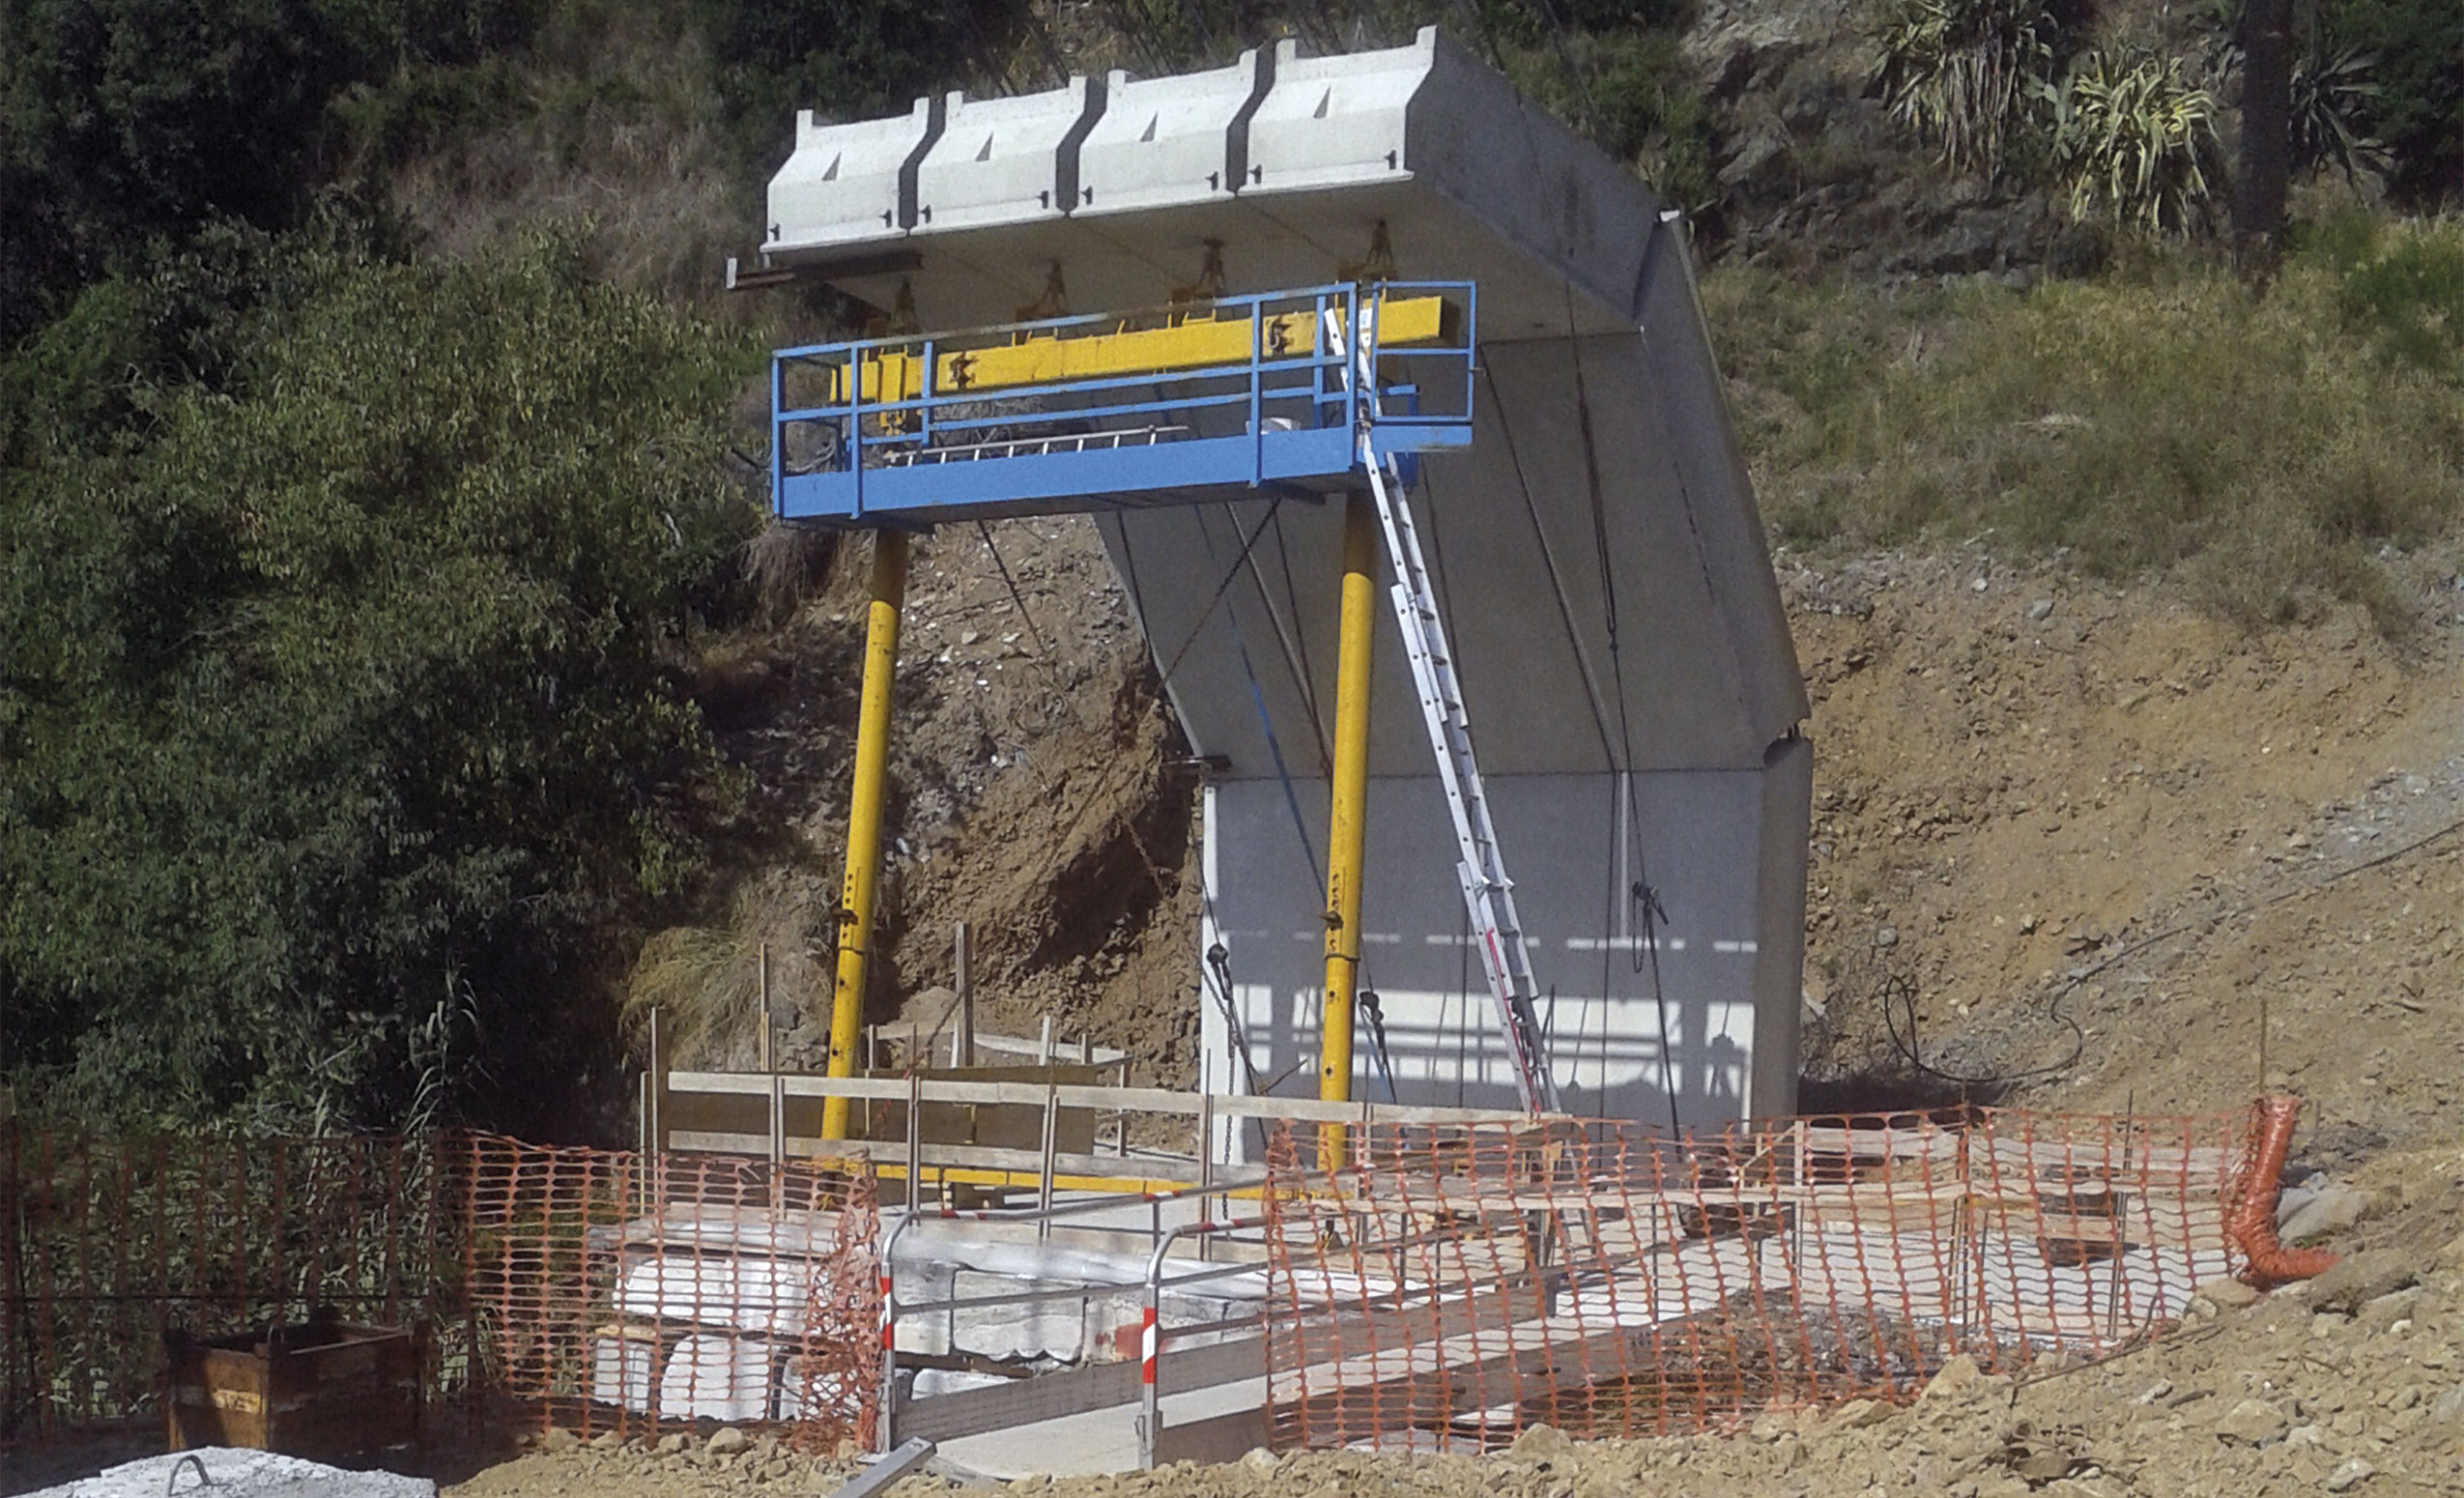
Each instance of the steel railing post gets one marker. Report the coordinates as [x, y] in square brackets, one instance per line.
[886, 1275]
[778, 437]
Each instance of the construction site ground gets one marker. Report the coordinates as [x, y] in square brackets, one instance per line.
[2352, 1382]
[2080, 844]
[2041, 801]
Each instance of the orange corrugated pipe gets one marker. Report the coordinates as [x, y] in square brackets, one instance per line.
[2250, 1221]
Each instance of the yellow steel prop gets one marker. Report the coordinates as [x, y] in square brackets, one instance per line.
[864, 814]
[1348, 818]
[1196, 344]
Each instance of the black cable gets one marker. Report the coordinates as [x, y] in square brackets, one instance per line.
[1300, 641]
[1904, 989]
[1217, 973]
[1646, 898]
[1266, 719]
[1222, 587]
[1548, 561]
[1012, 584]
[1367, 999]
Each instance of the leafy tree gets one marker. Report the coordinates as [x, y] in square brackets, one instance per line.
[847, 58]
[2416, 108]
[124, 123]
[334, 716]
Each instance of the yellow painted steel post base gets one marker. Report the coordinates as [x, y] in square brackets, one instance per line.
[1347, 815]
[864, 814]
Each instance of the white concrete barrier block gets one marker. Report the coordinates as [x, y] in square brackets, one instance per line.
[1006, 161]
[850, 185]
[1171, 142]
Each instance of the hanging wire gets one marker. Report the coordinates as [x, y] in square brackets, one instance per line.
[1645, 895]
[1266, 719]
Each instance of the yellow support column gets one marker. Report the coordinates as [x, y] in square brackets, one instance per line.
[1348, 814]
[864, 814]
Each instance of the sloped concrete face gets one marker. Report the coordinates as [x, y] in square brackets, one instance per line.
[849, 185]
[1597, 553]
[1171, 143]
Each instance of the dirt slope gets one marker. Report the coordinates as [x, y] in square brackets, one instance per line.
[1039, 793]
[2039, 800]
[2032, 788]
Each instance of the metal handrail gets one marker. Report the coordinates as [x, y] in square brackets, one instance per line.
[1329, 388]
[891, 1308]
[1151, 1333]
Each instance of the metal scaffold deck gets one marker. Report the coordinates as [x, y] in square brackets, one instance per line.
[1213, 401]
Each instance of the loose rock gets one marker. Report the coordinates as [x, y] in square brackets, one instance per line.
[2252, 1423]
[2354, 1281]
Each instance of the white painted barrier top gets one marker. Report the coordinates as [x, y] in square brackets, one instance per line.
[1331, 121]
[848, 184]
[1006, 161]
[1165, 142]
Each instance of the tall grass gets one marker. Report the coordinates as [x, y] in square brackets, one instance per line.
[2160, 419]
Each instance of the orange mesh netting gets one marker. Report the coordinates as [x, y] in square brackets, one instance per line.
[587, 1287]
[109, 1243]
[614, 1294]
[1451, 1286]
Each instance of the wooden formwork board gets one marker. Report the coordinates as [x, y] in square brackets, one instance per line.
[1650, 1214]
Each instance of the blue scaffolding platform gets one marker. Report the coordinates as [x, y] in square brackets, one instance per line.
[1217, 401]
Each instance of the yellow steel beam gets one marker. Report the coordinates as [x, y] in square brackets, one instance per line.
[1196, 344]
[1348, 816]
[1030, 1180]
[864, 814]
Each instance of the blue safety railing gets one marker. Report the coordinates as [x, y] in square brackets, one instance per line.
[1281, 419]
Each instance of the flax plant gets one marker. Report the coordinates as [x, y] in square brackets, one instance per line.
[2137, 142]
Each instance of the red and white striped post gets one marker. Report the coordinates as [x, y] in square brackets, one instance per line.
[1149, 1397]
[889, 1357]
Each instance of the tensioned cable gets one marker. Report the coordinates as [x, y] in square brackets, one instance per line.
[1295, 665]
[1549, 562]
[1647, 900]
[1012, 584]
[1224, 586]
[1445, 606]
[1642, 893]
[1266, 719]
[1215, 971]
[1307, 679]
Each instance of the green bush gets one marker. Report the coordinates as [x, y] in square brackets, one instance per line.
[1971, 76]
[336, 723]
[127, 122]
[2263, 448]
[2135, 143]
[2415, 51]
[847, 58]
[2406, 291]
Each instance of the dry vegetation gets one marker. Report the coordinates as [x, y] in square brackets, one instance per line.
[2155, 419]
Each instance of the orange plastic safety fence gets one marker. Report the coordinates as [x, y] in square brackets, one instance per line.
[108, 1244]
[590, 1288]
[617, 1292]
[1451, 1287]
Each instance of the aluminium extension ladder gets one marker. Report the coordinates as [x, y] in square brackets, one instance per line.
[1488, 895]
